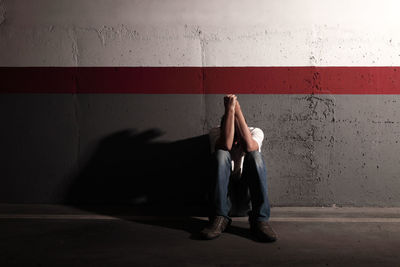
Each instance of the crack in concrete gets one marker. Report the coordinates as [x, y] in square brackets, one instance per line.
[306, 134]
[196, 33]
[2, 12]
[75, 56]
[75, 48]
[76, 118]
[203, 100]
[315, 102]
[203, 63]
[318, 109]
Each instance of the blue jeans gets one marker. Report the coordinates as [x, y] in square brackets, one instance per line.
[254, 175]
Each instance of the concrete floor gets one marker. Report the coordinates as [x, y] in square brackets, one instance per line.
[48, 235]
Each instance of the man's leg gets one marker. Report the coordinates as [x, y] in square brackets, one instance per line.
[255, 173]
[221, 167]
[239, 197]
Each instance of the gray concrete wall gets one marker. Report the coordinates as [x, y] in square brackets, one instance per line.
[320, 150]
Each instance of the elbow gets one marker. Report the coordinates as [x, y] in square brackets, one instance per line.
[252, 147]
[251, 150]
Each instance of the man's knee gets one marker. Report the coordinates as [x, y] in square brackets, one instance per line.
[222, 156]
[254, 157]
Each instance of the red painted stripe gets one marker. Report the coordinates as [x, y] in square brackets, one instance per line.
[198, 80]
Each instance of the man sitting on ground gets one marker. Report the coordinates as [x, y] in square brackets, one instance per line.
[237, 161]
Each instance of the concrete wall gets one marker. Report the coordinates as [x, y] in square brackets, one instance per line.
[320, 149]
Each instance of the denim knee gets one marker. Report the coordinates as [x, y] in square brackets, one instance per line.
[254, 157]
[222, 157]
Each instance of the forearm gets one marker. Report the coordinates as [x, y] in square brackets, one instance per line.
[227, 130]
[244, 131]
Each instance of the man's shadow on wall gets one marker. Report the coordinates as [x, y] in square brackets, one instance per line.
[133, 168]
[131, 174]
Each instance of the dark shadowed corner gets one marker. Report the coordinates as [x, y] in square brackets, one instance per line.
[132, 174]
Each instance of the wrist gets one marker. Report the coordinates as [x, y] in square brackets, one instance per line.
[237, 112]
[230, 110]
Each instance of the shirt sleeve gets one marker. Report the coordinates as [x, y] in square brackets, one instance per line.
[258, 135]
[213, 135]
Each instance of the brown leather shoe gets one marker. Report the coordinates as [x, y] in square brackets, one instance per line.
[263, 231]
[216, 227]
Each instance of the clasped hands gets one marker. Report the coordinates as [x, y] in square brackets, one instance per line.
[231, 103]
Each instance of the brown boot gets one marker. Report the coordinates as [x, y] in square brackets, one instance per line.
[263, 231]
[216, 227]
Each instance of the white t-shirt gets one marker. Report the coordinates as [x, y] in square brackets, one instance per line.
[237, 152]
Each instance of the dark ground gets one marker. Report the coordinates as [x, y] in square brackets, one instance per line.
[50, 235]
